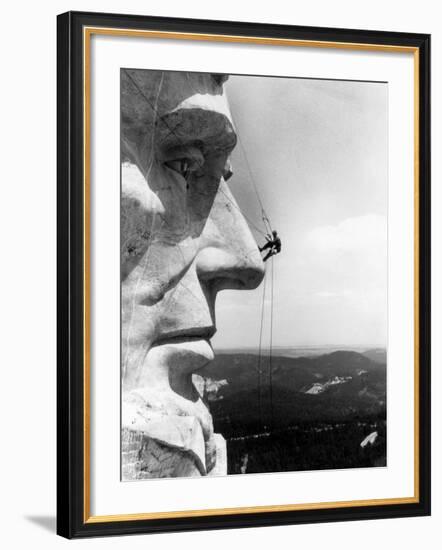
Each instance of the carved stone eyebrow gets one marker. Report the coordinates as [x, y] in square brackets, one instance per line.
[208, 129]
[182, 152]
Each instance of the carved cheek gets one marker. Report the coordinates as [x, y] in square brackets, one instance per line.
[203, 190]
[140, 209]
[175, 221]
[156, 242]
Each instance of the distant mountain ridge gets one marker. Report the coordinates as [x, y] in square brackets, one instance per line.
[305, 351]
[298, 412]
[352, 385]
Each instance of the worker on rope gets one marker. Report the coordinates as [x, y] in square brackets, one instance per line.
[273, 244]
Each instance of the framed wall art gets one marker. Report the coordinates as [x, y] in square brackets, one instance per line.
[243, 274]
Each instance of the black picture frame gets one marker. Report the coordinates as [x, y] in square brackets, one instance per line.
[72, 520]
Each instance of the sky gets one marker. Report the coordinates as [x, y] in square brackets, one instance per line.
[317, 151]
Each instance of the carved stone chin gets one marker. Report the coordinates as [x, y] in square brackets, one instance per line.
[172, 431]
[183, 239]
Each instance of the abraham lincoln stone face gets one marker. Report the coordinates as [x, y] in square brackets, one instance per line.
[183, 239]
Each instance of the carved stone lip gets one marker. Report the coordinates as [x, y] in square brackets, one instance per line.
[187, 335]
[183, 352]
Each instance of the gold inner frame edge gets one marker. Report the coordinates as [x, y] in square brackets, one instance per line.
[87, 33]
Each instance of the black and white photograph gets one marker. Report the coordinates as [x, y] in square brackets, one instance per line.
[243, 275]
[221, 286]
[254, 268]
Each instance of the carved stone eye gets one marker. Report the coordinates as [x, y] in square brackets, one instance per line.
[182, 166]
[184, 160]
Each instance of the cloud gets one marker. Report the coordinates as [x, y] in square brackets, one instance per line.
[330, 289]
[349, 258]
[326, 294]
[362, 234]
[337, 288]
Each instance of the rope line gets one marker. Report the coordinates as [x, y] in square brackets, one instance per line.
[268, 227]
[151, 233]
[242, 213]
[271, 348]
[260, 349]
[264, 216]
[155, 111]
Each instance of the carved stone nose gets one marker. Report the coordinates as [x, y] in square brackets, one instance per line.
[222, 269]
[229, 257]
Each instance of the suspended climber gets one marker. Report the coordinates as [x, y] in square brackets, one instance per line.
[273, 244]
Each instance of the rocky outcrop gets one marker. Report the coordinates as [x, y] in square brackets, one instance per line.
[144, 457]
[183, 239]
[370, 439]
